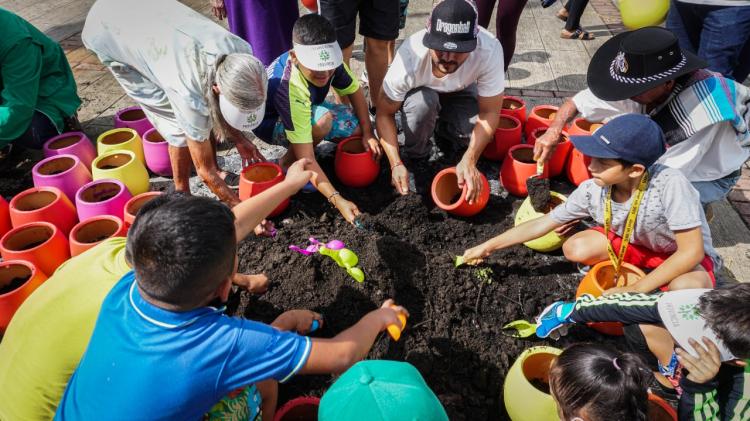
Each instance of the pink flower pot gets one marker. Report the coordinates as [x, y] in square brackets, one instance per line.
[133, 118]
[86, 234]
[66, 172]
[517, 167]
[71, 143]
[156, 151]
[107, 196]
[134, 205]
[18, 279]
[448, 196]
[47, 204]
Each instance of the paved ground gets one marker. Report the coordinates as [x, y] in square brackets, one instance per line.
[545, 69]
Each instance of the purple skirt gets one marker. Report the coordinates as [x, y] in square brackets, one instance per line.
[265, 24]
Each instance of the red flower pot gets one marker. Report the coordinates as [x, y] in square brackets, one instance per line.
[134, 205]
[66, 172]
[354, 166]
[86, 234]
[311, 5]
[659, 409]
[46, 204]
[449, 197]
[5, 224]
[299, 409]
[71, 143]
[259, 177]
[132, 118]
[39, 243]
[18, 279]
[541, 116]
[578, 164]
[156, 152]
[102, 197]
[507, 134]
[514, 106]
[556, 163]
[517, 168]
[600, 278]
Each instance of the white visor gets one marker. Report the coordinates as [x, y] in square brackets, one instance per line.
[239, 119]
[679, 313]
[319, 57]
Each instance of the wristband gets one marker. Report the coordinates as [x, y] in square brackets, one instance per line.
[330, 198]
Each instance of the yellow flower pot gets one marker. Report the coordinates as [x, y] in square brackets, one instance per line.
[121, 139]
[124, 166]
[549, 242]
[523, 400]
[641, 13]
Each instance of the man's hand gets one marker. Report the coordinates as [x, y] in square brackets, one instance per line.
[400, 179]
[704, 368]
[390, 311]
[348, 209]
[218, 9]
[255, 284]
[298, 174]
[370, 143]
[299, 321]
[265, 229]
[248, 152]
[468, 175]
[545, 145]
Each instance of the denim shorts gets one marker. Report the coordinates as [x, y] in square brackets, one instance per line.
[715, 190]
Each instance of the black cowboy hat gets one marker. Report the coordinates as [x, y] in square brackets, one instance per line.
[634, 62]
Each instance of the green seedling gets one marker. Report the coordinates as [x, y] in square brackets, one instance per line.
[519, 329]
[484, 275]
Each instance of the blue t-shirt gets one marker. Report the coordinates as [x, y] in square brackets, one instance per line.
[144, 362]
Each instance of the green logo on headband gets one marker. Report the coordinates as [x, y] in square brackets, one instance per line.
[251, 118]
[689, 311]
[324, 56]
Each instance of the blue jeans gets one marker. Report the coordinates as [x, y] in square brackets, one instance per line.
[711, 191]
[716, 34]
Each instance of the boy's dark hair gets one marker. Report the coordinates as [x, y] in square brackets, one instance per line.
[313, 29]
[600, 382]
[624, 163]
[725, 310]
[181, 248]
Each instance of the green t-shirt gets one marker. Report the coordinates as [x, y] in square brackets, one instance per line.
[34, 76]
[50, 331]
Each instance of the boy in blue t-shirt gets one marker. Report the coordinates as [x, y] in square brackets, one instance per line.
[298, 116]
[163, 348]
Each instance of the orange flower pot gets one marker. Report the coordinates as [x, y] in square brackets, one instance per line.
[449, 197]
[541, 116]
[18, 279]
[39, 243]
[86, 234]
[600, 278]
[354, 166]
[259, 177]
[507, 134]
[577, 170]
[134, 205]
[5, 224]
[517, 168]
[47, 204]
[514, 106]
[556, 163]
[660, 410]
[583, 127]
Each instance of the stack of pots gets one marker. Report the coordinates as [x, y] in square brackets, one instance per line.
[517, 167]
[526, 389]
[578, 164]
[355, 166]
[132, 118]
[507, 134]
[259, 177]
[449, 197]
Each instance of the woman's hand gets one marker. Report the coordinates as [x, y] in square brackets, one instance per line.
[348, 209]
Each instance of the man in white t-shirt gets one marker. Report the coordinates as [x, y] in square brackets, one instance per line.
[703, 115]
[446, 81]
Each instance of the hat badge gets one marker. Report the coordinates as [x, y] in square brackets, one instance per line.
[450, 45]
[621, 63]
[251, 119]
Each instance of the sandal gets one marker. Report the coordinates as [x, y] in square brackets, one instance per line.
[577, 34]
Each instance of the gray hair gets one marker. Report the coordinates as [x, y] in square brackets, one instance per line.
[242, 80]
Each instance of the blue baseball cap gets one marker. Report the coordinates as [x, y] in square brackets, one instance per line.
[631, 137]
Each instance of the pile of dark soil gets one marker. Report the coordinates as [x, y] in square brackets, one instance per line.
[15, 172]
[453, 335]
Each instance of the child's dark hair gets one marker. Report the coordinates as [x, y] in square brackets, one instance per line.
[313, 29]
[181, 248]
[600, 383]
[725, 310]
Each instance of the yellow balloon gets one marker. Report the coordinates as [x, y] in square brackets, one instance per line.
[641, 13]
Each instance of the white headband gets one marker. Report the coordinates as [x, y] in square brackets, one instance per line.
[239, 119]
[319, 57]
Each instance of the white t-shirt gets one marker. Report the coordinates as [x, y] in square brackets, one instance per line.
[170, 45]
[412, 68]
[709, 154]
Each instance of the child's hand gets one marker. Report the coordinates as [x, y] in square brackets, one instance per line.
[348, 210]
[370, 143]
[621, 290]
[704, 368]
[475, 255]
[299, 321]
[390, 312]
[298, 175]
[265, 229]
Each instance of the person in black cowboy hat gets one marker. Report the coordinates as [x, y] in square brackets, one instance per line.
[703, 115]
[446, 81]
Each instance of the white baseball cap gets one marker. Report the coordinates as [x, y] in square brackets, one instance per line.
[240, 120]
[319, 57]
[679, 313]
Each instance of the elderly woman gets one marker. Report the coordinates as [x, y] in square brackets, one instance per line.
[196, 82]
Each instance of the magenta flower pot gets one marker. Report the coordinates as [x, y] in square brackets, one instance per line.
[107, 196]
[132, 118]
[156, 150]
[66, 172]
[71, 143]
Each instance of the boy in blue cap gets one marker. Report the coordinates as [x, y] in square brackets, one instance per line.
[647, 215]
